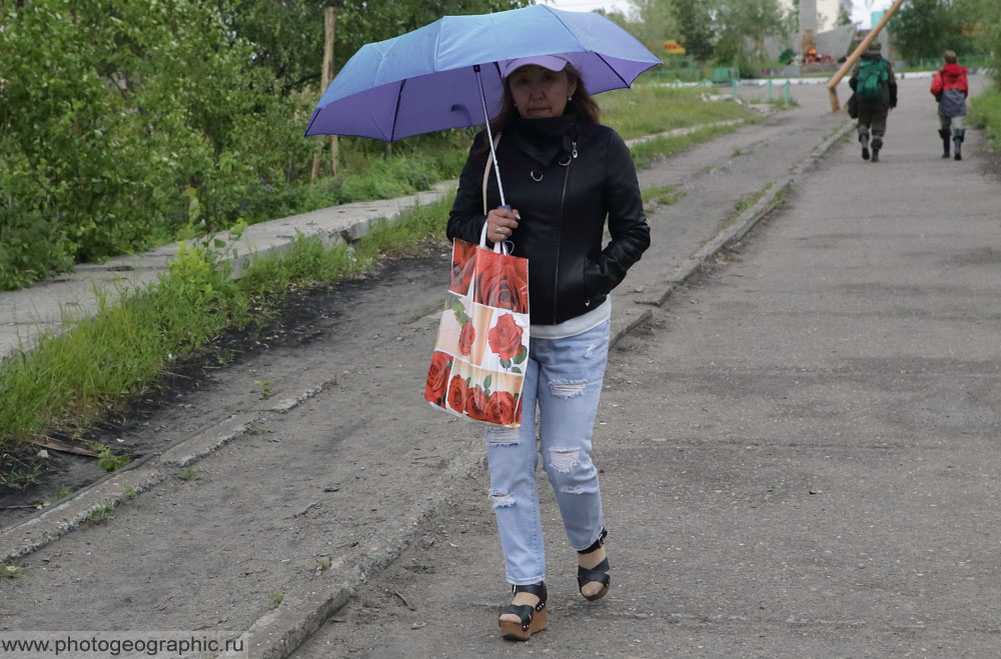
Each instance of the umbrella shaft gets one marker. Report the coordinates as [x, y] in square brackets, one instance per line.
[490, 136]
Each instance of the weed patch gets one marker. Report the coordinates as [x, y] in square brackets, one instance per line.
[660, 195]
[646, 153]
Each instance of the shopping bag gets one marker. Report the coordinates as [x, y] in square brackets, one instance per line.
[478, 366]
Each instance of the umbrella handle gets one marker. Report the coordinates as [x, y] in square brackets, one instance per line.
[490, 136]
[504, 247]
[500, 246]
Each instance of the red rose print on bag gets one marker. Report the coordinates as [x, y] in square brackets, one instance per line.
[434, 388]
[501, 407]
[462, 266]
[482, 343]
[505, 340]
[476, 404]
[466, 337]
[457, 393]
[501, 282]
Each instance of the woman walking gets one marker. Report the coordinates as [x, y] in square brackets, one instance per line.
[564, 174]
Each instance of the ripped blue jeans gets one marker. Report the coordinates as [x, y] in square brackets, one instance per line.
[563, 376]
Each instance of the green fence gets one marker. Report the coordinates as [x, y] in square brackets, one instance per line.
[683, 69]
[969, 61]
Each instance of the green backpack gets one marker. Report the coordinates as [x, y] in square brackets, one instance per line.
[871, 76]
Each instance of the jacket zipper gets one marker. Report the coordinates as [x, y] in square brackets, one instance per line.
[559, 233]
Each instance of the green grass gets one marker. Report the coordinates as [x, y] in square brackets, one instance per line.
[647, 109]
[101, 512]
[660, 195]
[985, 112]
[10, 571]
[71, 379]
[743, 204]
[780, 102]
[645, 153]
[68, 381]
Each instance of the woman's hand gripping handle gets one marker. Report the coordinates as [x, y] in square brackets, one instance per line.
[501, 223]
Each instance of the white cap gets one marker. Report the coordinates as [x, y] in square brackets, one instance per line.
[550, 62]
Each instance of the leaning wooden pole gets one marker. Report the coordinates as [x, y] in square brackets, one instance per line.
[330, 21]
[832, 84]
[326, 75]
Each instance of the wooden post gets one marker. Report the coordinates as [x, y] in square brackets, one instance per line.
[832, 84]
[327, 74]
[330, 22]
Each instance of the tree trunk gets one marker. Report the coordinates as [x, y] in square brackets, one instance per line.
[330, 23]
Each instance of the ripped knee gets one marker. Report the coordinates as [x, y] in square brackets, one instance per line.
[498, 436]
[567, 388]
[564, 460]
[501, 499]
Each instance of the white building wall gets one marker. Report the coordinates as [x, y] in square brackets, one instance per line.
[827, 11]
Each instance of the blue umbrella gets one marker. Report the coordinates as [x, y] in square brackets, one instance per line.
[447, 74]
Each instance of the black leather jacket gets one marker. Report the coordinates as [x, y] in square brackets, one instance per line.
[563, 202]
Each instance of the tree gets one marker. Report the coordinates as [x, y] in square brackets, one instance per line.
[656, 23]
[616, 17]
[121, 122]
[695, 24]
[927, 28]
[738, 21]
[288, 35]
[988, 30]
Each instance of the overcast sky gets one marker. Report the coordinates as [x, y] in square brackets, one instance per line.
[860, 10]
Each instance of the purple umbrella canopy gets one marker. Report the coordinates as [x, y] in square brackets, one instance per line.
[447, 75]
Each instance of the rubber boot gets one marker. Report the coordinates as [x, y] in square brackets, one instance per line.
[863, 137]
[946, 138]
[958, 139]
[877, 144]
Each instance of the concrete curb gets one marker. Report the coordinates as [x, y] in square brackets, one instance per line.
[277, 634]
[117, 488]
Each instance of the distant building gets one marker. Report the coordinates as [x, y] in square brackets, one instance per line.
[819, 15]
[817, 31]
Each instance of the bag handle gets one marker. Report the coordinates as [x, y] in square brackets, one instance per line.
[502, 246]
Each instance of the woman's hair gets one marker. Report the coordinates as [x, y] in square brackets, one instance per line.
[581, 102]
[950, 57]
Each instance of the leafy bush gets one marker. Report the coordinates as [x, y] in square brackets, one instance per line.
[124, 122]
[985, 111]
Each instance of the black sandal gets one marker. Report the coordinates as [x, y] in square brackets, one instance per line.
[598, 573]
[533, 618]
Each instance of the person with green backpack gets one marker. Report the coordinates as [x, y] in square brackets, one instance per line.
[875, 90]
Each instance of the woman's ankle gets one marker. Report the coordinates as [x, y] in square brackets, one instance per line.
[591, 559]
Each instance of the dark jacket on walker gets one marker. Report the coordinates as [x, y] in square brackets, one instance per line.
[564, 178]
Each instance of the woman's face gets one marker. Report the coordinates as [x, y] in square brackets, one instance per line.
[539, 92]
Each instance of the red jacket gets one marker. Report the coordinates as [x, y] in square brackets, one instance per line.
[952, 76]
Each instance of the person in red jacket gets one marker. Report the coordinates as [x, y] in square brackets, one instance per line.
[950, 89]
